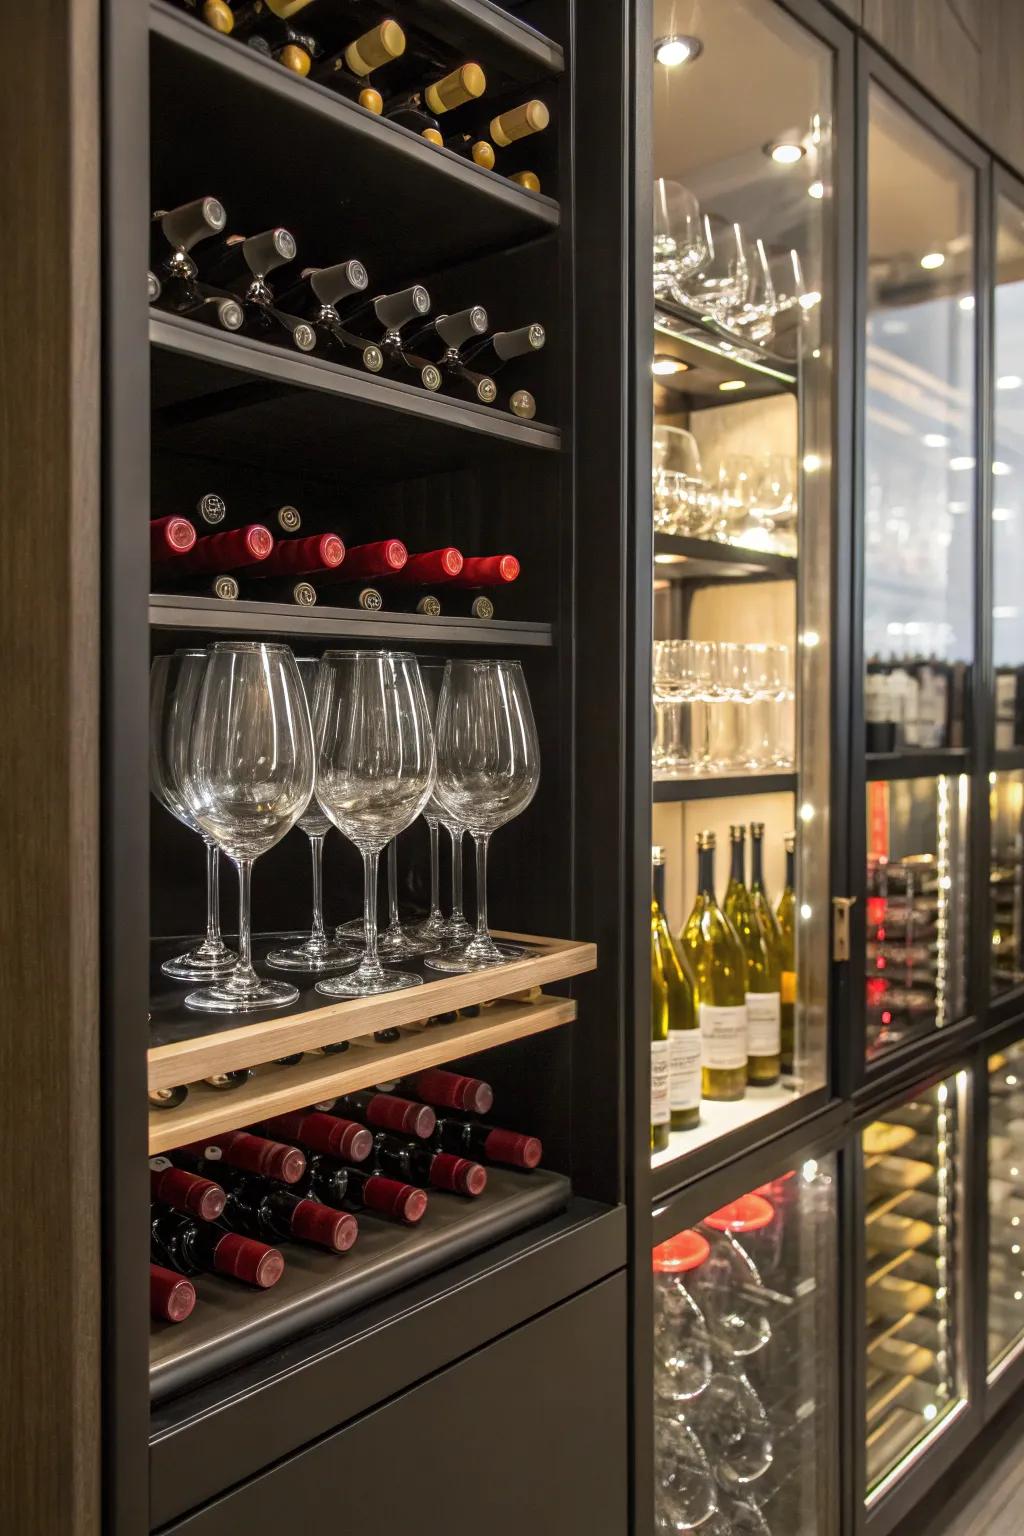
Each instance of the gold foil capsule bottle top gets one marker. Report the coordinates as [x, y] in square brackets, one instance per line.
[432, 137]
[294, 58]
[219, 16]
[527, 179]
[378, 46]
[519, 122]
[286, 8]
[523, 405]
[483, 155]
[372, 100]
[466, 83]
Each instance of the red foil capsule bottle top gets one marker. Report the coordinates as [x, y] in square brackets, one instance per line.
[255, 1154]
[380, 559]
[432, 564]
[303, 557]
[171, 536]
[401, 1201]
[510, 1147]
[453, 1091]
[486, 571]
[457, 1174]
[392, 1114]
[243, 1258]
[171, 1296]
[316, 1223]
[227, 551]
[325, 1133]
[187, 1192]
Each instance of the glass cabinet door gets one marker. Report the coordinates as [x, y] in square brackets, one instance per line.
[912, 1218]
[919, 514]
[743, 255]
[1005, 1206]
[744, 1369]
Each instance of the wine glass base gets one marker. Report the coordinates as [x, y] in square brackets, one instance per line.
[402, 944]
[220, 999]
[359, 983]
[458, 961]
[354, 929]
[430, 933]
[313, 957]
[206, 962]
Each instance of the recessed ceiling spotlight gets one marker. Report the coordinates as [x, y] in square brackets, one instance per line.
[1009, 381]
[676, 50]
[932, 260]
[730, 384]
[785, 151]
[663, 365]
[816, 190]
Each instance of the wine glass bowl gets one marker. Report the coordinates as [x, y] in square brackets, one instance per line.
[249, 778]
[680, 246]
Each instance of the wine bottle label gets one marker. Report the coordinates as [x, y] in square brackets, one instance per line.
[788, 982]
[684, 1062]
[661, 1108]
[763, 1023]
[723, 1037]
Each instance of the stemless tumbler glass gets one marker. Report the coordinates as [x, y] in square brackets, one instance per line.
[249, 779]
[318, 952]
[375, 771]
[174, 685]
[488, 772]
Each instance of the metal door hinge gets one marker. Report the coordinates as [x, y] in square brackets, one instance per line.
[841, 926]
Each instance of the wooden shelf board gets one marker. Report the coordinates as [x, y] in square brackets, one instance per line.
[274, 1090]
[228, 1044]
[211, 616]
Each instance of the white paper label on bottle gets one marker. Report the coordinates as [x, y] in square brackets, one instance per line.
[684, 1054]
[723, 1037]
[764, 1018]
[875, 699]
[661, 1110]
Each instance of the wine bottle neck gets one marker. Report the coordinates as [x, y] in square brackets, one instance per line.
[659, 886]
[757, 863]
[706, 872]
[737, 870]
[790, 868]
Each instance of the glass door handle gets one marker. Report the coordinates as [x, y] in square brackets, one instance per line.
[841, 906]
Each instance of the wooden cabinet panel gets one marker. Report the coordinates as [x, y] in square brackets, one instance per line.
[527, 1435]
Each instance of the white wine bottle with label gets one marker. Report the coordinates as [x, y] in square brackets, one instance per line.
[767, 1066]
[684, 1058]
[719, 970]
[762, 997]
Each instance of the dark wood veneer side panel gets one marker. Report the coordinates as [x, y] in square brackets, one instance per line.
[49, 626]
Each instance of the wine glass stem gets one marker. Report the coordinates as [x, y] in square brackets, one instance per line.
[435, 870]
[481, 842]
[393, 882]
[244, 967]
[212, 892]
[316, 849]
[456, 834]
[371, 859]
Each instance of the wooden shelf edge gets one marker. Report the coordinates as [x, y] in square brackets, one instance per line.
[253, 358]
[249, 1044]
[275, 1090]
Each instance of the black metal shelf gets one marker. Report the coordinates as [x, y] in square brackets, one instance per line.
[714, 355]
[674, 790]
[1006, 759]
[520, 50]
[234, 397]
[911, 764]
[709, 560]
[209, 615]
[454, 206]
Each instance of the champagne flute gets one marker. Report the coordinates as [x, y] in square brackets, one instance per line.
[318, 952]
[488, 772]
[374, 774]
[174, 684]
[249, 778]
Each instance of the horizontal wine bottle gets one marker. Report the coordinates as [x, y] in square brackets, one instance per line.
[241, 1149]
[230, 551]
[441, 337]
[417, 1164]
[222, 586]
[170, 537]
[319, 1132]
[259, 1207]
[352, 69]
[172, 1297]
[519, 122]
[419, 110]
[384, 558]
[471, 146]
[450, 1090]
[358, 1189]
[192, 1247]
[522, 404]
[494, 351]
[236, 20]
[484, 571]
[306, 556]
[284, 589]
[240, 265]
[266, 26]
[528, 180]
[212, 510]
[381, 320]
[352, 595]
[315, 299]
[488, 1143]
[183, 1191]
[175, 281]
[719, 970]
[430, 565]
[385, 1112]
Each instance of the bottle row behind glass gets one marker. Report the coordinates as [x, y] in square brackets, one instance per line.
[914, 702]
[722, 995]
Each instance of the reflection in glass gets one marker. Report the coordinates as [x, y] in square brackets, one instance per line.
[915, 967]
[1006, 881]
[1005, 1203]
[1008, 477]
[743, 1369]
[919, 448]
[912, 1275]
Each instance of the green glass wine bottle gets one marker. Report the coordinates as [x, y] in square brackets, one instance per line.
[785, 914]
[769, 1004]
[683, 1031]
[718, 966]
[762, 997]
[661, 1114]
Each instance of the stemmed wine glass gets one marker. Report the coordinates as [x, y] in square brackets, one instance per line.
[679, 242]
[432, 931]
[174, 685]
[398, 942]
[318, 952]
[488, 772]
[249, 777]
[719, 287]
[375, 771]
